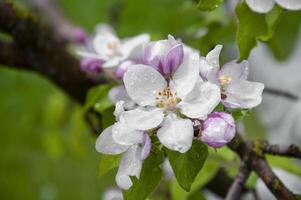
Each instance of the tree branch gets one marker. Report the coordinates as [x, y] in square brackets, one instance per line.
[39, 51]
[287, 151]
[237, 186]
[281, 93]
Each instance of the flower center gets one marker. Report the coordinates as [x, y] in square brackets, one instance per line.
[224, 81]
[114, 46]
[167, 99]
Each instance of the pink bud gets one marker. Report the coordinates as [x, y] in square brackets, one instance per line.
[218, 129]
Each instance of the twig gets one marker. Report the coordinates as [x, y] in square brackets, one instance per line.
[281, 93]
[63, 27]
[237, 186]
[287, 151]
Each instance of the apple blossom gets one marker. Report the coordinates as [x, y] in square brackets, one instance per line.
[108, 47]
[134, 147]
[91, 66]
[218, 129]
[160, 101]
[236, 90]
[264, 6]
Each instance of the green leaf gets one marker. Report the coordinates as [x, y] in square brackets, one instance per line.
[286, 33]
[239, 114]
[187, 166]
[108, 162]
[97, 98]
[208, 5]
[253, 26]
[150, 177]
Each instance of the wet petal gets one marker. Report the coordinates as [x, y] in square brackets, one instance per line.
[236, 71]
[173, 59]
[290, 4]
[129, 45]
[176, 133]
[147, 144]
[201, 100]
[260, 6]
[130, 165]
[243, 94]
[140, 119]
[105, 143]
[143, 83]
[119, 93]
[186, 76]
[124, 135]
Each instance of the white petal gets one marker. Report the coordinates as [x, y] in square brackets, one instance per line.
[261, 6]
[213, 57]
[102, 44]
[140, 119]
[243, 94]
[236, 71]
[124, 135]
[201, 100]
[186, 75]
[290, 4]
[129, 45]
[119, 93]
[103, 28]
[176, 133]
[89, 55]
[130, 165]
[105, 143]
[209, 66]
[119, 108]
[143, 83]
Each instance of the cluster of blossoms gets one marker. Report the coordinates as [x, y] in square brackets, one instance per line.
[168, 91]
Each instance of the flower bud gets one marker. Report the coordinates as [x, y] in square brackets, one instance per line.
[164, 55]
[91, 66]
[79, 35]
[218, 129]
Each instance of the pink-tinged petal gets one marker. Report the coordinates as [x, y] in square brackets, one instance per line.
[147, 144]
[124, 135]
[122, 68]
[79, 35]
[119, 93]
[243, 94]
[105, 143]
[201, 100]
[261, 6]
[130, 165]
[129, 45]
[185, 78]
[176, 133]
[290, 4]
[91, 65]
[218, 129]
[236, 71]
[173, 59]
[140, 119]
[143, 84]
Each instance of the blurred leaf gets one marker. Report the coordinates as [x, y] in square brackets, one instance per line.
[252, 180]
[239, 114]
[197, 195]
[186, 166]
[253, 26]
[108, 162]
[150, 176]
[287, 164]
[205, 175]
[98, 99]
[286, 34]
[107, 117]
[207, 5]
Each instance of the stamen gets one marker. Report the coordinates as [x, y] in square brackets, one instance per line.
[167, 99]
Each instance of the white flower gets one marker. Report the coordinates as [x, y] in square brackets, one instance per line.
[108, 47]
[112, 194]
[237, 91]
[134, 147]
[160, 102]
[264, 6]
